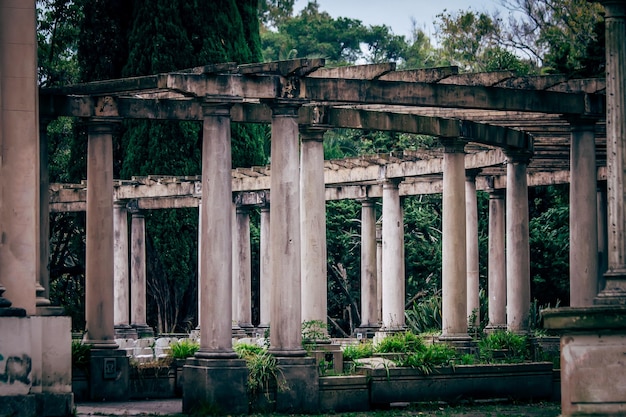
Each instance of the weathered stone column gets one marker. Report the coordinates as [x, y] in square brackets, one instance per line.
[583, 251]
[108, 365]
[471, 232]
[496, 274]
[313, 225]
[265, 276]
[243, 268]
[379, 272]
[199, 264]
[43, 285]
[138, 275]
[602, 233]
[121, 281]
[615, 18]
[299, 372]
[369, 282]
[453, 255]
[285, 246]
[393, 258]
[19, 154]
[99, 247]
[517, 242]
[216, 234]
[215, 376]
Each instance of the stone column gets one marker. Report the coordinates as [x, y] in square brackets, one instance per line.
[243, 265]
[199, 264]
[369, 283]
[313, 226]
[453, 255]
[265, 276]
[215, 286]
[496, 261]
[43, 285]
[19, 154]
[379, 272]
[615, 18]
[236, 292]
[121, 281]
[471, 232]
[517, 242]
[583, 221]
[215, 375]
[285, 246]
[602, 233]
[99, 247]
[392, 258]
[138, 275]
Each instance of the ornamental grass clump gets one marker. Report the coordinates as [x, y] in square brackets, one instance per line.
[438, 354]
[262, 368]
[358, 351]
[504, 347]
[183, 349]
[406, 342]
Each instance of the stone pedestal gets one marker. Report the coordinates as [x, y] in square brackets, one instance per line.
[215, 386]
[108, 375]
[593, 342]
[300, 386]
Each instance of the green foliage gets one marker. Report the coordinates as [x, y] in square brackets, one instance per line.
[431, 356]
[314, 331]
[57, 36]
[183, 349]
[358, 351]
[81, 355]
[406, 342]
[262, 368]
[504, 346]
[549, 244]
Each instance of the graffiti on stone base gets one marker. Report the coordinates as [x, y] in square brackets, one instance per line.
[16, 368]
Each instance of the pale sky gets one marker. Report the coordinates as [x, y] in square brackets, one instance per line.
[397, 14]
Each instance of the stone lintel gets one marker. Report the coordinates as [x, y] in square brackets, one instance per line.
[585, 319]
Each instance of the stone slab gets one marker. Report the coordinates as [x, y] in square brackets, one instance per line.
[108, 375]
[301, 386]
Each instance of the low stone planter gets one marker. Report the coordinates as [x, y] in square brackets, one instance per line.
[518, 381]
[80, 385]
[343, 393]
[158, 382]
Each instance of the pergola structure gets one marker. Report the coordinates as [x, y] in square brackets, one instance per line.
[534, 121]
[301, 98]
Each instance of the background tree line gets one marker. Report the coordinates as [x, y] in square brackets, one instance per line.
[82, 40]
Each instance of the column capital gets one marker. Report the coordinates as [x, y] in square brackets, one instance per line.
[520, 156]
[366, 201]
[391, 182]
[218, 105]
[312, 132]
[581, 123]
[102, 125]
[453, 145]
[284, 107]
[472, 173]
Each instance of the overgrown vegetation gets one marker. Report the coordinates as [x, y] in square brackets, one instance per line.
[263, 369]
[184, 348]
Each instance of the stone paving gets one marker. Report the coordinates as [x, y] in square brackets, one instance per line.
[130, 408]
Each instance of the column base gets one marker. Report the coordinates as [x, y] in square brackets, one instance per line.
[108, 375]
[614, 292]
[593, 342]
[298, 392]
[124, 331]
[49, 310]
[143, 330]
[492, 328]
[461, 342]
[215, 386]
[366, 331]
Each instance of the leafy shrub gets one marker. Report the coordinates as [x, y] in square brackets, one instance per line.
[314, 331]
[81, 355]
[438, 354]
[406, 342]
[183, 349]
[504, 346]
[262, 367]
[424, 315]
[359, 351]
